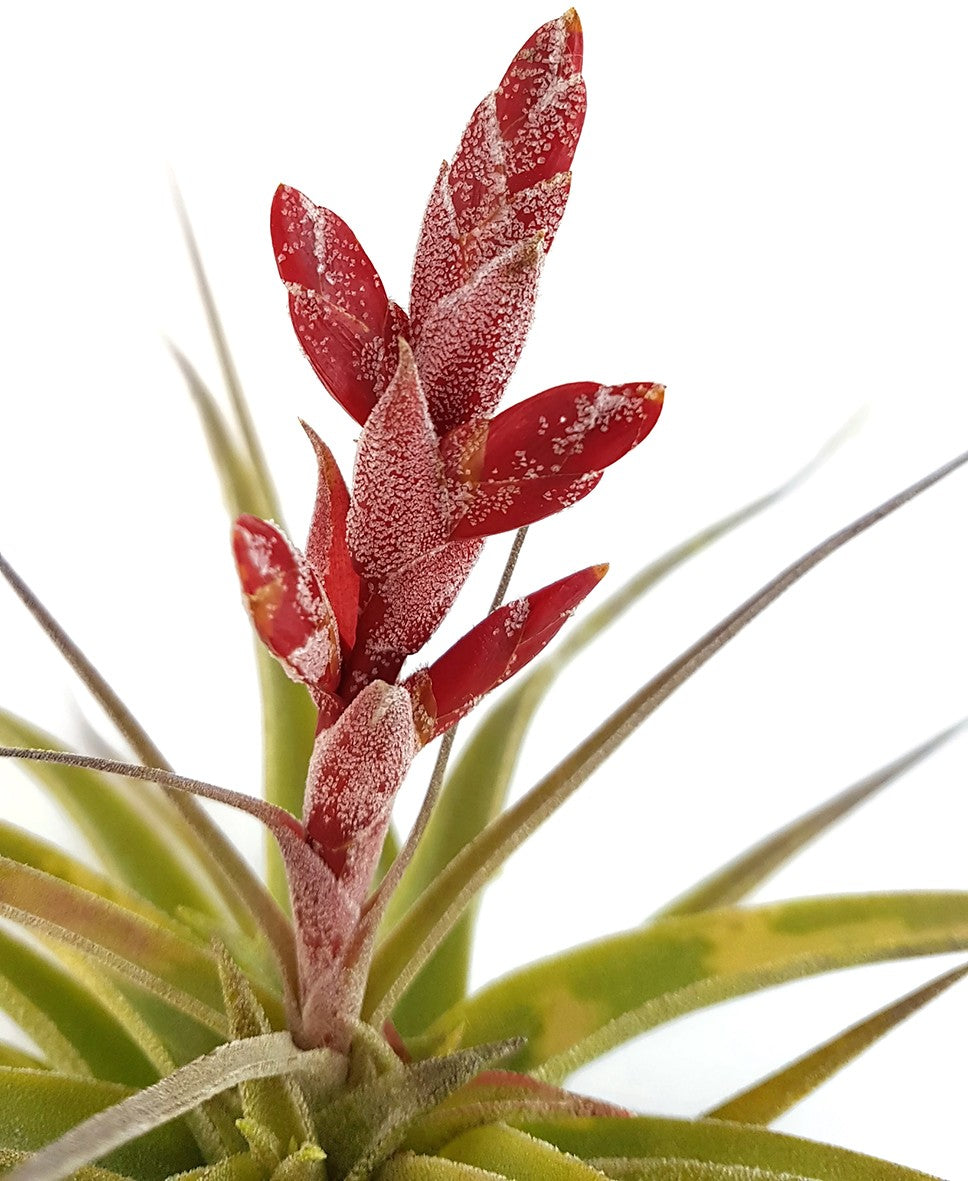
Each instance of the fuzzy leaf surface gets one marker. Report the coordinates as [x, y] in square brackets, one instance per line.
[575, 1006]
[37, 1106]
[600, 1138]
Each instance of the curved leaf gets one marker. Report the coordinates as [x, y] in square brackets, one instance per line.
[408, 946]
[510, 1152]
[716, 1143]
[178, 1093]
[36, 1106]
[769, 1099]
[129, 831]
[409, 1166]
[575, 1006]
[22, 1059]
[736, 879]
[157, 957]
[67, 1022]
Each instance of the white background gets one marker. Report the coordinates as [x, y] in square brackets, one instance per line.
[768, 215]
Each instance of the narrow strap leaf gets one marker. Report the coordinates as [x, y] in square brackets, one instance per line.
[412, 941]
[575, 1006]
[742, 875]
[14, 1056]
[68, 1024]
[273, 923]
[230, 377]
[769, 1099]
[713, 1142]
[178, 1093]
[243, 892]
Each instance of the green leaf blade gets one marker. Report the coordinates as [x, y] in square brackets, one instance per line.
[575, 1006]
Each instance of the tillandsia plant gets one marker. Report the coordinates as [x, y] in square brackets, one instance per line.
[187, 1018]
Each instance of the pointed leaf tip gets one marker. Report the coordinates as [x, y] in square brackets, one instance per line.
[494, 650]
[289, 610]
[337, 301]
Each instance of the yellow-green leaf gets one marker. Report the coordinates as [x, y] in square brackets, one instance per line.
[769, 1099]
[736, 879]
[409, 1166]
[512, 1153]
[600, 1138]
[133, 831]
[575, 1006]
[36, 1107]
[67, 1021]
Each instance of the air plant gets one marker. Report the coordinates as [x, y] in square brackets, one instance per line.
[190, 1019]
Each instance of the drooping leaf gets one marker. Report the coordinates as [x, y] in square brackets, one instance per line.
[574, 1006]
[742, 875]
[769, 1099]
[711, 1141]
[473, 796]
[36, 1107]
[409, 945]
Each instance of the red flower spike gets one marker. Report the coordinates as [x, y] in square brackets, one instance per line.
[507, 186]
[543, 454]
[400, 506]
[494, 650]
[288, 608]
[337, 303]
[326, 548]
[355, 771]
[406, 610]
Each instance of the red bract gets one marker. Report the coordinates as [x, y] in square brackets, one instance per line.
[344, 321]
[288, 608]
[494, 650]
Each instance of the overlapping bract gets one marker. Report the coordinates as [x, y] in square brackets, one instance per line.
[434, 475]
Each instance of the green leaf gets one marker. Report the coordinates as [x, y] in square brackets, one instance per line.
[575, 1006]
[240, 1167]
[769, 1099]
[742, 875]
[151, 1109]
[680, 1169]
[187, 823]
[67, 1022]
[157, 957]
[408, 946]
[366, 1124]
[600, 1138]
[476, 788]
[274, 1104]
[14, 1056]
[134, 833]
[510, 1152]
[10, 1157]
[409, 1166]
[37, 1106]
